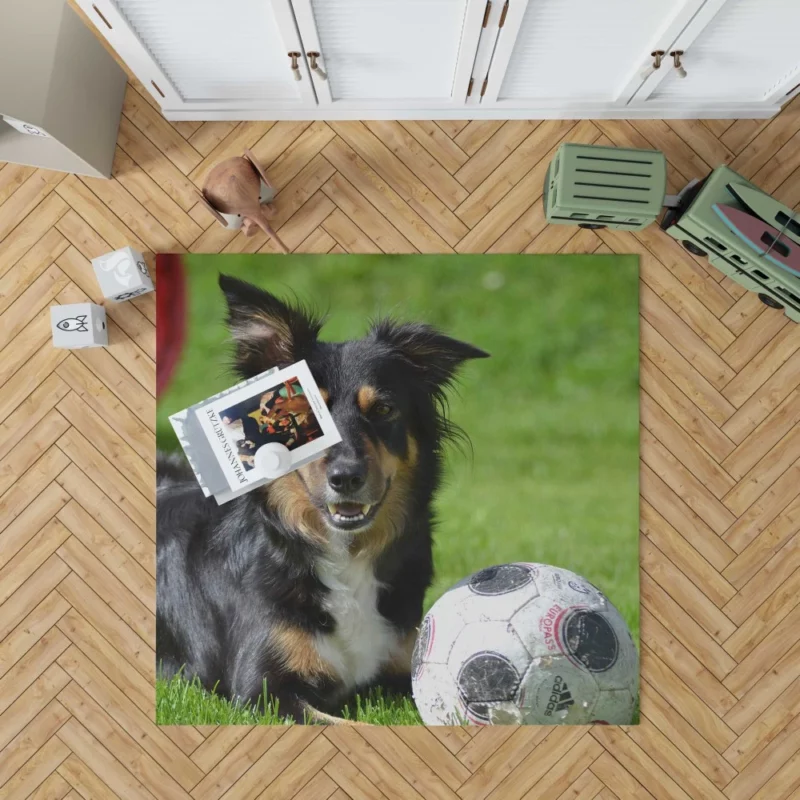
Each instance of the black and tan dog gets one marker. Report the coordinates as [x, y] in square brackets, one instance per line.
[314, 583]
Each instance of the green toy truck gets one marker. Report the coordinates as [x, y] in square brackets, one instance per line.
[609, 187]
[700, 230]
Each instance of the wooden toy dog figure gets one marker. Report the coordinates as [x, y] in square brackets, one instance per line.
[237, 193]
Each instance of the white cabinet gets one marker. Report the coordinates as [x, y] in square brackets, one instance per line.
[407, 53]
[571, 53]
[734, 51]
[208, 55]
[339, 59]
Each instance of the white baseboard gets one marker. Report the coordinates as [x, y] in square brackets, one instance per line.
[651, 111]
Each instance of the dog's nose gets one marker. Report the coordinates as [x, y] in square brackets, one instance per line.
[346, 476]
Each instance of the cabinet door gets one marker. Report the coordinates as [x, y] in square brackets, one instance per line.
[735, 51]
[208, 54]
[390, 53]
[562, 54]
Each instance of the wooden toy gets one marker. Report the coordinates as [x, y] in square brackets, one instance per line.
[605, 187]
[763, 238]
[78, 325]
[238, 195]
[122, 274]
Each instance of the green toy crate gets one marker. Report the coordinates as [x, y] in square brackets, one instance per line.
[697, 226]
[605, 187]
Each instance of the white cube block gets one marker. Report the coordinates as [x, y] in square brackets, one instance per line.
[122, 274]
[78, 325]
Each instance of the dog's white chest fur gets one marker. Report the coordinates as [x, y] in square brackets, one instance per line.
[363, 640]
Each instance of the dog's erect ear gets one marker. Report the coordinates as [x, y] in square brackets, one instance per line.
[268, 332]
[434, 355]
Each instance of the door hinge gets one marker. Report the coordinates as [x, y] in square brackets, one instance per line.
[503, 15]
[483, 88]
[486, 13]
[469, 88]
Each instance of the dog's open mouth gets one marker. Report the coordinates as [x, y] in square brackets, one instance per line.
[350, 516]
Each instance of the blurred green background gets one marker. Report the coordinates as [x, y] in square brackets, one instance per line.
[553, 476]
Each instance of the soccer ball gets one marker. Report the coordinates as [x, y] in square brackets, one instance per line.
[524, 644]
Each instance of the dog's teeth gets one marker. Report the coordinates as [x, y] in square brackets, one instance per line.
[365, 510]
[332, 509]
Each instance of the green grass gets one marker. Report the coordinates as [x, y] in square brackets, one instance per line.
[182, 702]
[552, 416]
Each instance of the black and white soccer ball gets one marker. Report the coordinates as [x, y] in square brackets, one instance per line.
[525, 644]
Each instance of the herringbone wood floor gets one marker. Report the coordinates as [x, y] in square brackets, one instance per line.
[720, 471]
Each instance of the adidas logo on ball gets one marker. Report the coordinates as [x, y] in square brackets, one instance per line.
[560, 698]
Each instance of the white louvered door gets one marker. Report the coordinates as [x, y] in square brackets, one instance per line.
[390, 53]
[735, 51]
[576, 53]
[209, 54]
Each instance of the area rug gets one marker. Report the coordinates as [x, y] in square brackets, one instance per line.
[398, 489]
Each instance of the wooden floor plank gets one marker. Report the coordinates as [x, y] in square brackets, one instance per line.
[437, 143]
[159, 131]
[419, 161]
[684, 592]
[506, 175]
[403, 181]
[12, 176]
[384, 198]
[691, 706]
[26, 198]
[494, 152]
[764, 582]
[18, 279]
[33, 736]
[147, 192]
[684, 520]
[125, 555]
[703, 431]
[475, 134]
[382, 233]
[30, 230]
[684, 738]
[765, 618]
[681, 553]
[120, 744]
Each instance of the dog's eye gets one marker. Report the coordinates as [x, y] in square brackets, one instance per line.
[381, 409]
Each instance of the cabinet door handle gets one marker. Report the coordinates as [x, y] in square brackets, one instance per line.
[102, 17]
[657, 55]
[295, 66]
[312, 57]
[676, 59]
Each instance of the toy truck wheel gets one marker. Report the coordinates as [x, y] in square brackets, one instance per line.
[592, 226]
[693, 248]
[769, 301]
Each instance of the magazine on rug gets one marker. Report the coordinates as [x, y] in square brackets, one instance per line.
[221, 435]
